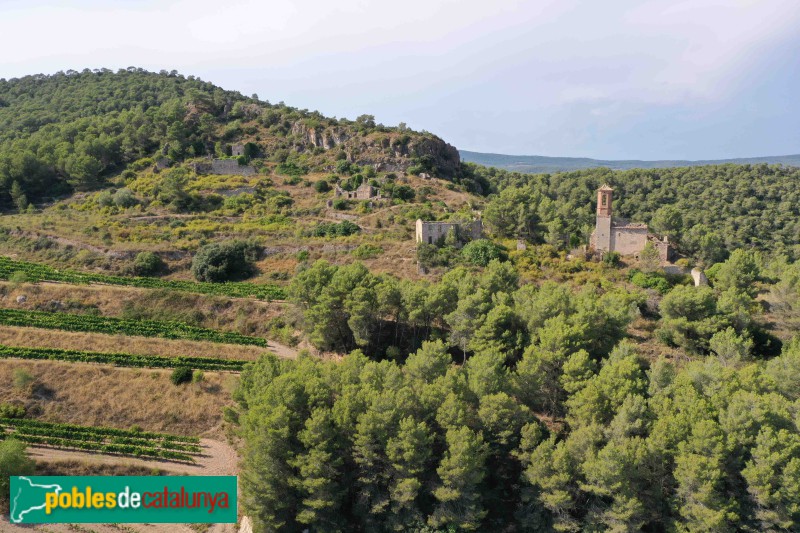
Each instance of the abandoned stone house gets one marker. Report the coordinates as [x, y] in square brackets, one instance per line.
[237, 150]
[432, 232]
[615, 234]
[364, 192]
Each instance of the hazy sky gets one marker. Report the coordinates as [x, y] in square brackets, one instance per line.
[688, 79]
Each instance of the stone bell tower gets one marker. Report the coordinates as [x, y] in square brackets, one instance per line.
[602, 237]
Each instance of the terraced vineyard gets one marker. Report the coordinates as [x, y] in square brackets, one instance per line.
[120, 359]
[121, 326]
[40, 272]
[101, 439]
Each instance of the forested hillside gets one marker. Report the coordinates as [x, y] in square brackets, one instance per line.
[514, 382]
[708, 210]
[71, 131]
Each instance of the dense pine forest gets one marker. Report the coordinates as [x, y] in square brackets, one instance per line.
[517, 382]
[708, 210]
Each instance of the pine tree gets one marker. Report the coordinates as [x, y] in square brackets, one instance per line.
[773, 479]
[319, 473]
[409, 453]
[616, 474]
[704, 501]
[461, 472]
[18, 197]
[267, 477]
[649, 260]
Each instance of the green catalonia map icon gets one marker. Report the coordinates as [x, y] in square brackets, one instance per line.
[28, 499]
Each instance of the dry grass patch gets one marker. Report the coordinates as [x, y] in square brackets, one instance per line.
[245, 316]
[99, 395]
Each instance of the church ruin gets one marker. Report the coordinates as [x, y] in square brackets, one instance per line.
[615, 234]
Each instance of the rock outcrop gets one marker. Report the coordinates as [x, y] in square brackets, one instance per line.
[384, 151]
[325, 138]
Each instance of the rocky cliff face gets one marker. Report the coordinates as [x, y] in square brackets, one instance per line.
[326, 138]
[389, 151]
[444, 157]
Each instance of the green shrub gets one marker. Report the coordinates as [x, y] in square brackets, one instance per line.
[291, 169]
[403, 192]
[322, 186]
[198, 376]
[104, 199]
[712, 271]
[481, 251]
[17, 277]
[13, 462]
[342, 165]
[331, 229]
[22, 378]
[125, 198]
[612, 258]
[650, 280]
[229, 261]
[230, 415]
[10, 410]
[141, 164]
[181, 374]
[147, 264]
[367, 251]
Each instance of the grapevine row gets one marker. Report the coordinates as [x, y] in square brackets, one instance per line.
[122, 326]
[101, 439]
[139, 451]
[120, 359]
[96, 430]
[40, 272]
[105, 439]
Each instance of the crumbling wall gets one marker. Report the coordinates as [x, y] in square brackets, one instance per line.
[231, 166]
[431, 232]
[628, 240]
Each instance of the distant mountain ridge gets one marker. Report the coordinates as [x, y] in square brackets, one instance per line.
[540, 164]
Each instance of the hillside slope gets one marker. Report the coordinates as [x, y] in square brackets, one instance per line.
[74, 130]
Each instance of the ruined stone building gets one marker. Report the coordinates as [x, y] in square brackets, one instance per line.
[231, 166]
[223, 166]
[615, 234]
[237, 150]
[364, 192]
[432, 232]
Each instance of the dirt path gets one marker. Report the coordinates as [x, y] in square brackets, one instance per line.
[281, 350]
[217, 459]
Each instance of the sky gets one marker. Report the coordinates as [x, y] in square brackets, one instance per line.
[610, 79]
